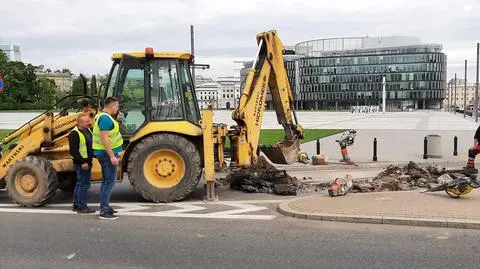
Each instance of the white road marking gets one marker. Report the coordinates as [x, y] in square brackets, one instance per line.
[182, 210]
[244, 208]
[71, 256]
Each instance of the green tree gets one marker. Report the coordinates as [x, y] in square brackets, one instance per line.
[47, 92]
[3, 59]
[23, 90]
[78, 86]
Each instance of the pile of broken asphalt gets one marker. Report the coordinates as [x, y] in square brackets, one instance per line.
[396, 196]
[265, 178]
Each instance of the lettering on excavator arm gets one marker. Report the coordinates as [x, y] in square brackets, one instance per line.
[259, 102]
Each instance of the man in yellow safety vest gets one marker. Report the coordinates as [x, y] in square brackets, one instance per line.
[107, 144]
[80, 144]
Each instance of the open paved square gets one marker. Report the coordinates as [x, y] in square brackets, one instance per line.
[399, 134]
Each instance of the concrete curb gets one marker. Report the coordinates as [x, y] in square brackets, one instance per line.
[286, 210]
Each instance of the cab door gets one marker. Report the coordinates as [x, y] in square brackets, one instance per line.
[131, 90]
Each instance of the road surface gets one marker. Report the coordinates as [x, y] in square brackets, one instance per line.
[245, 233]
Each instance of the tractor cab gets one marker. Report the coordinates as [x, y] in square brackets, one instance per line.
[152, 87]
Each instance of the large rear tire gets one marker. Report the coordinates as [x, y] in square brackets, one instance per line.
[164, 168]
[31, 181]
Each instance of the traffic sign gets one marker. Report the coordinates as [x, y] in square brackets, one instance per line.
[2, 84]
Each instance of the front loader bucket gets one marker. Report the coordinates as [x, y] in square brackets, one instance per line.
[283, 152]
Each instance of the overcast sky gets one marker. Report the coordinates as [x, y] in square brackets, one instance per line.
[82, 35]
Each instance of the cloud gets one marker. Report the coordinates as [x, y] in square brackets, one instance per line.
[82, 35]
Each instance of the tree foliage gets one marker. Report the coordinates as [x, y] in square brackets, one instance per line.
[78, 86]
[23, 89]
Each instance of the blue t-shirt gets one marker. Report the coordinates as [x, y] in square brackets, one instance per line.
[106, 124]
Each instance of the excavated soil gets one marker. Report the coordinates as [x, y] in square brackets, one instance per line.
[409, 177]
[265, 178]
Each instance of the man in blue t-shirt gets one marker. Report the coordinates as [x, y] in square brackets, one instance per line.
[106, 124]
[107, 144]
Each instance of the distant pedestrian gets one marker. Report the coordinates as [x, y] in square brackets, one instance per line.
[474, 150]
[107, 144]
[80, 144]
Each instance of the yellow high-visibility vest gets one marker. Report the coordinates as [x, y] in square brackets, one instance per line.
[114, 135]
[82, 145]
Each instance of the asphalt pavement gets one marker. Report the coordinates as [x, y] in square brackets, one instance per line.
[58, 241]
[239, 231]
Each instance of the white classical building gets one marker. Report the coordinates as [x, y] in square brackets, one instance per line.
[207, 95]
[228, 92]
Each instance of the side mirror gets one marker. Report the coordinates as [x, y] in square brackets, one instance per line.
[201, 66]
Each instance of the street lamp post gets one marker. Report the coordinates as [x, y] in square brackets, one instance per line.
[465, 93]
[384, 94]
[455, 98]
[447, 96]
[476, 89]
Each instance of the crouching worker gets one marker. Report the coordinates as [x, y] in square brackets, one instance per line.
[80, 143]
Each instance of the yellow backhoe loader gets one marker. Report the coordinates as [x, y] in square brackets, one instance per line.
[169, 143]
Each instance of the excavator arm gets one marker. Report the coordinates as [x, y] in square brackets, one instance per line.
[268, 71]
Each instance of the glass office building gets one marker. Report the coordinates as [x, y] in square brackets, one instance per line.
[336, 74]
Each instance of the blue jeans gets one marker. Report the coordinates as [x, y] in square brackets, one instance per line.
[109, 173]
[81, 187]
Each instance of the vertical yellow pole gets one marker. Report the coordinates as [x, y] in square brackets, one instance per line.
[208, 153]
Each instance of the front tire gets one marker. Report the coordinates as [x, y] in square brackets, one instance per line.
[31, 181]
[164, 168]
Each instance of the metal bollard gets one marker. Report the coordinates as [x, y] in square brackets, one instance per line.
[318, 146]
[425, 148]
[375, 149]
[455, 144]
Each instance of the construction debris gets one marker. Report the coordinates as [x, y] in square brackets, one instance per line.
[409, 177]
[340, 186]
[456, 187]
[266, 178]
[319, 159]
[263, 178]
[303, 158]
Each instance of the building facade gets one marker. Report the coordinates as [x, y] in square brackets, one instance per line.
[228, 92]
[199, 79]
[456, 94]
[12, 51]
[63, 81]
[207, 95]
[345, 72]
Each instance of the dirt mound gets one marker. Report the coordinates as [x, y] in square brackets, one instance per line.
[263, 178]
[409, 177]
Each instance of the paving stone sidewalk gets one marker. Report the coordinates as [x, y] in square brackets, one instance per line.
[403, 208]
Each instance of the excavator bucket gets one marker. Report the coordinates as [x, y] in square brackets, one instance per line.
[283, 152]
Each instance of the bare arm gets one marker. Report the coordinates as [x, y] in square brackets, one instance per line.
[106, 143]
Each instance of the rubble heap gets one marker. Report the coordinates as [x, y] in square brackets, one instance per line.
[263, 178]
[409, 177]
